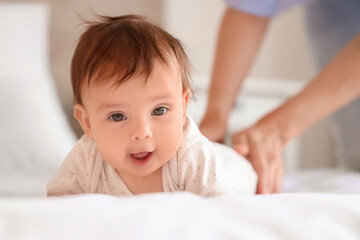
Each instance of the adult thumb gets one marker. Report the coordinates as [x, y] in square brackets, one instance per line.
[242, 149]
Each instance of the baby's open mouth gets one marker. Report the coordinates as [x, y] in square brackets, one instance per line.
[141, 158]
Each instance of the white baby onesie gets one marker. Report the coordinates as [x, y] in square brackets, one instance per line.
[199, 166]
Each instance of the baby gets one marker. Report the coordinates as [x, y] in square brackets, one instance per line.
[131, 86]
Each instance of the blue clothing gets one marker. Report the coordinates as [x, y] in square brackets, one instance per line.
[331, 24]
[264, 8]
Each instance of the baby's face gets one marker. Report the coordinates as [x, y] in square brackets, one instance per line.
[138, 126]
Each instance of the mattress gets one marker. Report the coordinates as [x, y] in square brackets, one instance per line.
[314, 204]
[182, 216]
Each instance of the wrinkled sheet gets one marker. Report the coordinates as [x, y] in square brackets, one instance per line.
[182, 216]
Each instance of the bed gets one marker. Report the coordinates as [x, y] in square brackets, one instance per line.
[314, 204]
[301, 215]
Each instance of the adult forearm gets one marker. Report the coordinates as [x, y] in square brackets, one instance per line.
[239, 39]
[337, 85]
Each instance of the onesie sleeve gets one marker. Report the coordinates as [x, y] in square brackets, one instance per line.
[72, 177]
[204, 171]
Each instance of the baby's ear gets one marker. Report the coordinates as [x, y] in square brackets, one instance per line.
[81, 115]
[186, 98]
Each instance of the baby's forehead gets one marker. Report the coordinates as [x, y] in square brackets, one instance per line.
[107, 85]
[159, 84]
[112, 75]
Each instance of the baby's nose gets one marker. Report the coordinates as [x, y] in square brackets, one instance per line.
[141, 132]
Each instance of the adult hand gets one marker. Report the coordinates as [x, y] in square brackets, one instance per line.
[262, 145]
[335, 86]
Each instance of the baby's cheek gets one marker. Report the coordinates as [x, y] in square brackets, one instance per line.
[112, 150]
[170, 141]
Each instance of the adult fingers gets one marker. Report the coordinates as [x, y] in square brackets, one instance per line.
[241, 144]
[271, 159]
[274, 158]
[278, 177]
[242, 149]
[257, 158]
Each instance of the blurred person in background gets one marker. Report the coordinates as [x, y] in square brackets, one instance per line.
[334, 33]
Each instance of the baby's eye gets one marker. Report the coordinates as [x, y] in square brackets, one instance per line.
[159, 111]
[117, 117]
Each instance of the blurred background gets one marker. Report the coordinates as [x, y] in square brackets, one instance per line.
[283, 65]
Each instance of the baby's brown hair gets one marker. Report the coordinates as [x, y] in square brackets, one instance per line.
[121, 47]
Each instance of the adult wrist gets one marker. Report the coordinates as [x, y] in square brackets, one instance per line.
[217, 112]
[282, 123]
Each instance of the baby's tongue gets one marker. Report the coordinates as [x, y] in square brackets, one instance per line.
[140, 155]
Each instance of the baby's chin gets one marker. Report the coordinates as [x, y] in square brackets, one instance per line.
[145, 170]
[144, 174]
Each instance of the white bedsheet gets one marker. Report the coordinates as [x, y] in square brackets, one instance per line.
[182, 216]
[302, 214]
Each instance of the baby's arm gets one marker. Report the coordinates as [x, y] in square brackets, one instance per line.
[212, 170]
[72, 177]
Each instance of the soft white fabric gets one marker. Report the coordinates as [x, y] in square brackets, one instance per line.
[198, 166]
[182, 216]
[34, 133]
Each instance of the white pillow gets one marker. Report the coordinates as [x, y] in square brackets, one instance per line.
[34, 133]
[23, 41]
